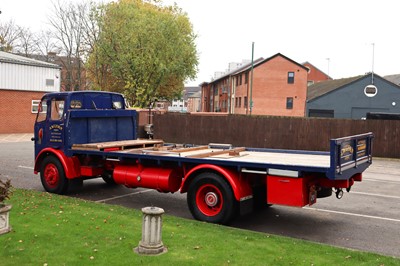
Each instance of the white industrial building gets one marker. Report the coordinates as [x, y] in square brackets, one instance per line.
[23, 82]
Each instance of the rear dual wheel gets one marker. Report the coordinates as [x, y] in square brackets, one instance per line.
[210, 198]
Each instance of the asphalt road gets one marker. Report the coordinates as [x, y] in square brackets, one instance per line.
[367, 218]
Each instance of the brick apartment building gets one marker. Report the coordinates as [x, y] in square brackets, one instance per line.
[279, 88]
[315, 75]
[23, 81]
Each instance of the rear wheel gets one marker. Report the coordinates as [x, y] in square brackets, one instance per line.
[324, 192]
[210, 199]
[108, 178]
[53, 176]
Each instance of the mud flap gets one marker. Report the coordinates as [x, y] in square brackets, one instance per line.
[246, 205]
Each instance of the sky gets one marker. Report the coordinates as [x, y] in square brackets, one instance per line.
[343, 38]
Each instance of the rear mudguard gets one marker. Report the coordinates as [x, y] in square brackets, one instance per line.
[240, 187]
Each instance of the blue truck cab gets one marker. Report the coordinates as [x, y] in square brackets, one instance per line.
[93, 110]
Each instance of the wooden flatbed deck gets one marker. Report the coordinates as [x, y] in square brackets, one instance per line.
[240, 154]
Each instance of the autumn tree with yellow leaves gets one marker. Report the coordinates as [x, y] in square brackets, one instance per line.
[144, 50]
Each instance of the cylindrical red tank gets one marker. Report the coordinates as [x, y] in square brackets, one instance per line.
[162, 179]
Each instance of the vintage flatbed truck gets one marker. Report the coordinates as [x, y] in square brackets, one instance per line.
[82, 135]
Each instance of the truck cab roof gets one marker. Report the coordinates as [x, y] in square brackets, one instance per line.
[89, 99]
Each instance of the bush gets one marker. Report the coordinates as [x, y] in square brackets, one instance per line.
[5, 190]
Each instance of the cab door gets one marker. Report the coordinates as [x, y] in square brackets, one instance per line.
[49, 126]
[39, 127]
[54, 129]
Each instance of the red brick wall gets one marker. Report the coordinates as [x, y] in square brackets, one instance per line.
[242, 90]
[205, 100]
[15, 111]
[271, 88]
[315, 74]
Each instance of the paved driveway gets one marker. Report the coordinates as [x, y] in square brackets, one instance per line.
[18, 137]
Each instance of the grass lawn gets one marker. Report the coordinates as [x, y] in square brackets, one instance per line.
[54, 230]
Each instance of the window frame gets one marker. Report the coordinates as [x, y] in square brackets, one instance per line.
[367, 90]
[56, 113]
[37, 105]
[289, 103]
[290, 77]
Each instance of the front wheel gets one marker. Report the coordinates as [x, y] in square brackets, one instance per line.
[210, 199]
[53, 176]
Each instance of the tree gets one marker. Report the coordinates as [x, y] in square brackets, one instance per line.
[91, 35]
[145, 50]
[26, 44]
[67, 22]
[46, 45]
[9, 34]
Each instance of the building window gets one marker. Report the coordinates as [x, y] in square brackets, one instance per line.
[35, 107]
[289, 103]
[215, 91]
[245, 102]
[290, 78]
[240, 79]
[42, 111]
[370, 90]
[246, 78]
[240, 101]
[321, 113]
[50, 82]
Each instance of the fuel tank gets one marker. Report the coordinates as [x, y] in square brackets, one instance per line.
[161, 179]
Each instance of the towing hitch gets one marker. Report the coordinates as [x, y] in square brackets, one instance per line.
[339, 193]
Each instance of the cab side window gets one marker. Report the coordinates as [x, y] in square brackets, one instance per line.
[42, 111]
[57, 109]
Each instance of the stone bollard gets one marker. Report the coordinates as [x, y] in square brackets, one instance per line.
[151, 243]
[4, 219]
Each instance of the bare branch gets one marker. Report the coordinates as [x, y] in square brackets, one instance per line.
[26, 43]
[9, 34]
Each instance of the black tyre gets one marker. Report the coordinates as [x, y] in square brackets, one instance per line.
[210, 198]
[53, 177]
[107, 177]
[324, 192]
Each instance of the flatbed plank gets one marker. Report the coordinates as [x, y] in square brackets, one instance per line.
[231, 152]
[197, 148]
[123, 144]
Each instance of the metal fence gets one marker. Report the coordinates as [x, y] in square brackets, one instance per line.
[275, 132]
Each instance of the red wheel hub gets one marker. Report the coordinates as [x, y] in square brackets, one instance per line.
[51, 175]
[209, 200]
